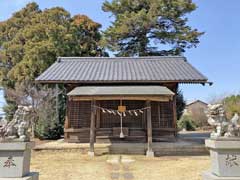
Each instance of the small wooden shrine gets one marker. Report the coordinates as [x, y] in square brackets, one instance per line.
[121, 99]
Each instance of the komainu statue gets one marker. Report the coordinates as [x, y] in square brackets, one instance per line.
[17, 128]
[223, 127]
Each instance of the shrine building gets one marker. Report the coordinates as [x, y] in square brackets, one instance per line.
[122, 99]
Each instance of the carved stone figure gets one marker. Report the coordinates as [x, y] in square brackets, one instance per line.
[17, 128]
[233, 127]
[223, 127]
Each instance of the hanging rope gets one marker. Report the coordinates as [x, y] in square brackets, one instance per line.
[132, 112]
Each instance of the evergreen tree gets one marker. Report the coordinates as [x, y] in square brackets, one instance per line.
[32, 39]
[143, 27]
[180, 103]
[140, 26]
[232, 105]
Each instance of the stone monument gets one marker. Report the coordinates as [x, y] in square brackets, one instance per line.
[15, 147]
[224, 145]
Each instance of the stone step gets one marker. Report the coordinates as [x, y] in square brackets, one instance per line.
[109, 139]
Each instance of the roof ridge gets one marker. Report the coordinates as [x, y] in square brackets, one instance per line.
[141, 57]
[59, 59]
[194, 101]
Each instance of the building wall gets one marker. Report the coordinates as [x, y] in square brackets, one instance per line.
[197, 111]
[79, 114]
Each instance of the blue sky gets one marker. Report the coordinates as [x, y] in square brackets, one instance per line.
[217, 55]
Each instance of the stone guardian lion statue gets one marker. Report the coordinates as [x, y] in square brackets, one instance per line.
[17, 128]
[223, 127]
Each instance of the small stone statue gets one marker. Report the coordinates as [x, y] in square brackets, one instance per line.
[17, 128]
[223, 127]
[233, 127]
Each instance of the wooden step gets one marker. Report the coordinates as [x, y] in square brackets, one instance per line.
[82, 140]
[109, 139]
[164, 139]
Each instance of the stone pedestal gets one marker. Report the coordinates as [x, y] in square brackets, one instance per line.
[30, 176]
[149, 154]
[225, 159]
[91, 154]
[210, 176]
[15, 160]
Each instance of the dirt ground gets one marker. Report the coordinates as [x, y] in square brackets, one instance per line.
[72, 165]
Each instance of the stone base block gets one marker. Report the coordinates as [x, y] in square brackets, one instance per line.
[91, 154]
[30, 176]
[225, 156]
[209, 176]
[150, 154]
[15, 159]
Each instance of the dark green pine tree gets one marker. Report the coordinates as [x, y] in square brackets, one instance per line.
[151, 28]
[141, 27]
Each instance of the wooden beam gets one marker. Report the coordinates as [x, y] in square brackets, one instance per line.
[76, 130]
[149, 130]
[92, 128]
[143, 98]
[78, 83]
[165, 129]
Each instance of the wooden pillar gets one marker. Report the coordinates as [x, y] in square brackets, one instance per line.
[57, 103]
[66, 126]
[67, 122]
[174, 115]
[92, 128]
[150, 152]
[174, 104]
[98, 114]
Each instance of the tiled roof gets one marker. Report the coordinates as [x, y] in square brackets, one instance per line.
[196, 101]
[120, 90]
[121, 69]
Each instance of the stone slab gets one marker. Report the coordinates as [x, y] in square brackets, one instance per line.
[16, 146]
[179, 147]
[15, 159]
[114, 159]
[91, 154]
[209, 176]
[223, 143]
[31, 176]
[127, 159]
[225, 157]
[150, 154]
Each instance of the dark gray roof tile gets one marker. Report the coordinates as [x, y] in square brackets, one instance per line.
[119, 69]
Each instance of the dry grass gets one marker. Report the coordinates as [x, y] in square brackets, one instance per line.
[73, 165]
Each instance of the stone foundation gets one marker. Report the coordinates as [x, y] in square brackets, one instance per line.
[15, 161]
[31, 176]
[210, 176]
[225, 159]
